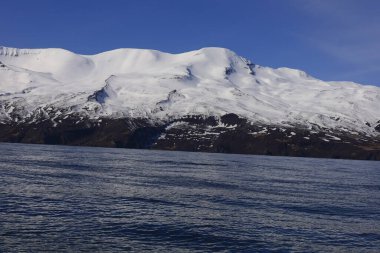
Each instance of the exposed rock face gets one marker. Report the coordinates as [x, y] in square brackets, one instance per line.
[377, 128]
[227, 134]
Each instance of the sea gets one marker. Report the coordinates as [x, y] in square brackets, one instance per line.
[87, 199]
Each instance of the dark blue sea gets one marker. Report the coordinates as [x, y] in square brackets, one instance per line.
[80, 199]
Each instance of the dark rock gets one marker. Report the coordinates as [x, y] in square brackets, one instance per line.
[232, 119]
[229, 70]
[194, 133]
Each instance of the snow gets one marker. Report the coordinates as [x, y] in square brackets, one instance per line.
[157, 85]
[333, 137]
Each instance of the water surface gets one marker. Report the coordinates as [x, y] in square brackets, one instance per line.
[70, 199]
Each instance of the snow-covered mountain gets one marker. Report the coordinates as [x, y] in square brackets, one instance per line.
[54, 84]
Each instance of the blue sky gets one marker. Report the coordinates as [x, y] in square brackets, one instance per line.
[329, 39]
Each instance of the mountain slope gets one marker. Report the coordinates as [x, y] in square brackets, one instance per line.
[58, 87]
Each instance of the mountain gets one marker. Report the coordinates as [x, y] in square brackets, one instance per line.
[205, 100]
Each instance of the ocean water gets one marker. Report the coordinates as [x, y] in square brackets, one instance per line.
[80, 199]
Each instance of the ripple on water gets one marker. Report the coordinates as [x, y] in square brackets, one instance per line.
[59, 198]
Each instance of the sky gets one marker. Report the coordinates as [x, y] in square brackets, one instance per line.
[329, 39]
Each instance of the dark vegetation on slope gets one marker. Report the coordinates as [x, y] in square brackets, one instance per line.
[229, 134]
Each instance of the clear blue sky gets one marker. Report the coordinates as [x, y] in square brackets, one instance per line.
[329, 39]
